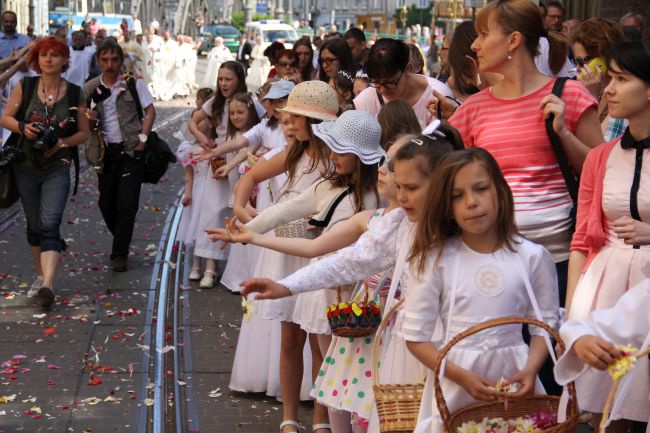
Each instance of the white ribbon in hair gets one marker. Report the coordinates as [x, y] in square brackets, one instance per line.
[432, 129]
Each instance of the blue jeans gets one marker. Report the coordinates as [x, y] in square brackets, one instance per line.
[44, 197]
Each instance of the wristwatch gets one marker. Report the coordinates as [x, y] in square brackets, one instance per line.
[142, 138]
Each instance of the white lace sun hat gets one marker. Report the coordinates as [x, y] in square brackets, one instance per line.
[356, 132]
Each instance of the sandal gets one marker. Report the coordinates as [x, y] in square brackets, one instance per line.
[208, 280]
[290, 422]
[195, 274]
[323, 426]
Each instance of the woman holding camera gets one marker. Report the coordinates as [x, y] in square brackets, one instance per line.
[46, 117]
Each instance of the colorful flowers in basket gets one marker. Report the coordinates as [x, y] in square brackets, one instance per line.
[534, 423]
[354, 315]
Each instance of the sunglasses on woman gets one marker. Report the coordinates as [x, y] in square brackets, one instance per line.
[287, 64]
[581, 61]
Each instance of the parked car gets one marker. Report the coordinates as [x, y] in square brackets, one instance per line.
[228, 33]
[271, 31]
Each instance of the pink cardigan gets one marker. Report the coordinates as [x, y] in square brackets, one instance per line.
[591, 224]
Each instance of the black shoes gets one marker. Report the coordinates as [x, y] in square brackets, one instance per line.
[119, 263]
[46, 296]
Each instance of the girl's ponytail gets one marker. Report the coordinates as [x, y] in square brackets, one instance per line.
[558, 49]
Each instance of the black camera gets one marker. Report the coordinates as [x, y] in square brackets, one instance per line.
[10, 154]
[47, 137]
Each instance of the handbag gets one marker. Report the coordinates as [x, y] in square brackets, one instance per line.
[11, 152]
[8, 191]
[157, 153]
[571, 180]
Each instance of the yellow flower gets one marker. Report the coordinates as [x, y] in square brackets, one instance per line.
[356, 310]
[343, 305]
[247, 308]
[625, 364]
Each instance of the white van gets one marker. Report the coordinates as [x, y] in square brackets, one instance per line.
[271, 31]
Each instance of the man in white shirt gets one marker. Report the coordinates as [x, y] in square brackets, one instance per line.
[81, 57]
[136, 26]
[125, 128]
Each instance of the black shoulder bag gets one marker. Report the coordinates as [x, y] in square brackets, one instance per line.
[11, 152]
[157, 153]
[571, 180]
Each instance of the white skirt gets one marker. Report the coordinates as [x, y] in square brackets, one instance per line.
[242, 260]
[213, 209]
[493, 358]
[256, 367]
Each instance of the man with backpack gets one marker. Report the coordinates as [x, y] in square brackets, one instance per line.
[124, 113]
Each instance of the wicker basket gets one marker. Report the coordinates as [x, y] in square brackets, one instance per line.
[397, 404]
[252, 159]
[516, 407]
[217, 163]
[298, 229]
[355, 326]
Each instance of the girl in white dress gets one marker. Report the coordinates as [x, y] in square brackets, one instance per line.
[304, 162]
[384, 245]
[469, 223]
[215, 209]
[195, 174]
[590, 343]
[264, 137]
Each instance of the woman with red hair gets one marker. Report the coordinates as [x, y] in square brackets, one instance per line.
[46, 117]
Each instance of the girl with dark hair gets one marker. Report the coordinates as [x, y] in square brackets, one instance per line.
[305, 53]
[610, 251]
[343, 84]
[507, 119]
[391, 78]
[231, 80]
[334, 55]
[396, 119]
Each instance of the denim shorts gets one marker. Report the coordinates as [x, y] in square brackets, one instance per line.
[44, 196]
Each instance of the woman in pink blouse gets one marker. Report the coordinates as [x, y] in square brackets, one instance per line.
[507, 119]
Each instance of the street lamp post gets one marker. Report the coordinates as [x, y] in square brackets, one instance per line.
[403, 16]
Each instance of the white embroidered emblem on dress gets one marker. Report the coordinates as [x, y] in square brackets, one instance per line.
[489, 281]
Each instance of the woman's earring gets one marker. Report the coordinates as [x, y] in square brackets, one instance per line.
[509, 56]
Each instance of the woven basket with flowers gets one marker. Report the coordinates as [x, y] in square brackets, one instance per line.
[354, 319]
[535, 411]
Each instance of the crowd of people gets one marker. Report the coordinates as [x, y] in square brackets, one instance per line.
[508, 177]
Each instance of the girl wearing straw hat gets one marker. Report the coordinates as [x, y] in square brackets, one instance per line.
[354, 140]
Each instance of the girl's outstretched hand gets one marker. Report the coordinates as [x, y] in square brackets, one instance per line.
[478, 386]
[526, 379]
[232, 233]
[265, 288]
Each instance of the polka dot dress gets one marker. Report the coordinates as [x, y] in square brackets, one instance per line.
[344, 380]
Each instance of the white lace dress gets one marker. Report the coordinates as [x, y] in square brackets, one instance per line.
[488, 287]
[382, 246]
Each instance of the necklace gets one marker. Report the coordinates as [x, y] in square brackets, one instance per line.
[49, 98]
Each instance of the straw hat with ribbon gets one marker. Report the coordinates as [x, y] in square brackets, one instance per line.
[314, 99]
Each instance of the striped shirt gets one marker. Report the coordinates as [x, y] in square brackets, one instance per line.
[513, 131]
